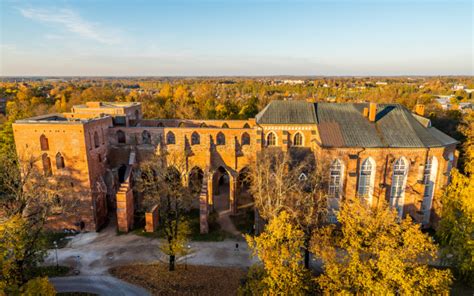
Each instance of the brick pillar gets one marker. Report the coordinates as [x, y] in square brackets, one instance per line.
[210, 188]
[125, 208]
[232, 194]
[203, 208]
[151, 219]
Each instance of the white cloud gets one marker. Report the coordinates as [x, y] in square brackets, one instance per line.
[72, 22]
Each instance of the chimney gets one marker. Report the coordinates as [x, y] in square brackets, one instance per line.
[366, 112]
[372, 112]
[420, 109]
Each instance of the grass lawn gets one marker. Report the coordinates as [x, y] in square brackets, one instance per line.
[196, 280]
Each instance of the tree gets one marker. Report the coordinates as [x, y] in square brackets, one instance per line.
[293, 183]
[373, 252]
[456, 228]
[160, 183]
[279, 249]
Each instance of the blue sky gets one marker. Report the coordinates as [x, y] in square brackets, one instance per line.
[122, 38]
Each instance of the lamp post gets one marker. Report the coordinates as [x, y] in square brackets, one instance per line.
[56, 251]
[188, 247]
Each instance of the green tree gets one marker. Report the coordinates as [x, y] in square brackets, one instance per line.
[279, 248]
[373, 252]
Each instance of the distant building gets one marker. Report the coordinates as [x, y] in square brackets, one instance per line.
[444, 101]
[458, 87]
[381, 83]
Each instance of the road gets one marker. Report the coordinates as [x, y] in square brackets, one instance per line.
[98, 284]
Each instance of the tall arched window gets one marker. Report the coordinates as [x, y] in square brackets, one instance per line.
[335, 179]
[366, 179]
[298, 139]
[44, 143]
[146, 137]
[96, 140]
[59, 161]
[399, 178]
[245, 140]
[225, 125]
[170, 138]
[195, 138]
[449, 166]
[220, 139]
[271, 139]
[121, 137]
[46, 165]
[429, 180]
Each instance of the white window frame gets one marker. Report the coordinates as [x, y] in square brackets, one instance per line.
[429, 180]
[399, 181]
[366, 180]
[276, 139]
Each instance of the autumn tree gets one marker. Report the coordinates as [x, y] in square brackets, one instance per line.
[373, 252]
[279, 248]
[291, 182]
[160, 181]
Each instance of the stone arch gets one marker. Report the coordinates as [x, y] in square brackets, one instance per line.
[59, 161]
[44, 143]
[195, 182]
[46, 165]
[245, 139]
[220, 139]
[225, 125]
[271, 139]
[96, 140]
[121, 139]
[146, 137]
[221, 192]
[298, 139]
[195, 138]
[244, 197]
[170, 138]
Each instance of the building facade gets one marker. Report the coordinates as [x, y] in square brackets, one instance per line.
[380, 152]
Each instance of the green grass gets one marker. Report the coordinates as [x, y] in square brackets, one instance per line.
[50, 271]
[59, 237]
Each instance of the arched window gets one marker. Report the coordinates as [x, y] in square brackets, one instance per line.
[429, 180]
[46, 165]
[449, 166]
[220, 139]
[195, 138]
[137, 114]
[59, 161]
[44, 143]
[203, 124]
[225, 125]
[245, 140]
[181, 124]
[298, 139]
[335, 179]
[170, 138]
[96, 140]
[246, 125]
[366, 179]
[271, 139]
[146, 137]
[160, 124]
[399, 178]
[121, 137]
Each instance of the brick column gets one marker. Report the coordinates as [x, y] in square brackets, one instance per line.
[203, 208]
[125, 208]
[232, 194]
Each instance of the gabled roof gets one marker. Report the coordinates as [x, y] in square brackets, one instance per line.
[287, 112]
[343, 125]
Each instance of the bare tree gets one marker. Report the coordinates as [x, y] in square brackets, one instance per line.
[293, 183]
[160, 181]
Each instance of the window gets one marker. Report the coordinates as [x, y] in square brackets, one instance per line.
[44, 143]
[220, 139]
[59, 161]
[170, 138]
[146, 137]
[246, 125]
[245, 139]
[449, 166]
[225, 125]
[429, 180]
[96, 140]
[181, 124]
[160, 124]
[195, 138]
[335, 179]
[46, 165]
[298, 139]
[397, 192]
[271, 139]
[366, 179]
[121, 137]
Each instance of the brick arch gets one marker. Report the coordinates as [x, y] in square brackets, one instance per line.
[44, 143]
[225, 125]
[196, 180]
[245, 139]
[46, 165]
[220, 138]
[195, 138]
[221, 198]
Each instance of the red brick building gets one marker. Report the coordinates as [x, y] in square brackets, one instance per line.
[383, 152]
